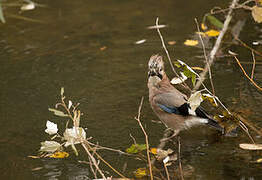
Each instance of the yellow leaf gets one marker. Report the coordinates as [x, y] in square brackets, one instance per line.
[259, 160]
[153, 150]
[140, 172]
[212, 33]
[203, 26]
[198, 68]
[191, 42]
[59, 154]
[257, 13]
[34, 157]
[201, 33]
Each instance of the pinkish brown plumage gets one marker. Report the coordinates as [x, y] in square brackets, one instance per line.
[169, 104]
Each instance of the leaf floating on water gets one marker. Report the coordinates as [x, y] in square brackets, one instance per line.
[259, 160]
[62, 91]
[27, 7]
[140, 172]
[50, 146]
[59, 155]
[136, 148]
[34, 157]
[140, 41]
[74, 135]
[191, 42]
[57, 112]
[213, 20]
[171, 42]
[212, 33]
[203, 26]
[251, 146]
[51, 128]
[2, 18]
[257, 14]
[103, 48]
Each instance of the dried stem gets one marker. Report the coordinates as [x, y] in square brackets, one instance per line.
[179, 159]
[205, 55]
[254, 65]
[167, 173]
[250, 79]
[167, 53]
[146, 137]
[217, 44]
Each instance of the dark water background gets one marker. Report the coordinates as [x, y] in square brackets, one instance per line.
[37, 59]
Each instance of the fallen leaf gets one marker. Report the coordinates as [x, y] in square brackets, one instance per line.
[2, 18]
[259, 160]
[34, 157]
[57, 112]
[251, 146]
[191, 42]
[50, 146]
[212, 33]
[198, 68]
[171, 42]
[103, 48]
[74, 135]
[195, 100]
[37, 168]
[203, 26]
[51, 128]
[140, 172]
[59, 155]
[27, 7]
[257, 13]
[140, 41]
[136, 148]
[153, 150]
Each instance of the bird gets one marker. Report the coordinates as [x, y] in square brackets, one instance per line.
[169, 104]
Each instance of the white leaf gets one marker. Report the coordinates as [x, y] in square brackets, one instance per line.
[29, 6]
[69, 104]
[195, 100]
[177, 80]
[251, 146]
[50, 146]
[51, 128]
[74, 135]
[166, 160]
[140, 41]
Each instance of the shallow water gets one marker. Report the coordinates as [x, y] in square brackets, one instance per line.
[37, 59]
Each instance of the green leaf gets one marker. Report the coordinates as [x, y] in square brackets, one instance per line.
[193, 79]
[213, 20]
[57, 112]
[136, 148]
[2, 18]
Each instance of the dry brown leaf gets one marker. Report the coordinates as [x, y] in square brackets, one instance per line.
[171, 42]
[251, 146]
[257, 14]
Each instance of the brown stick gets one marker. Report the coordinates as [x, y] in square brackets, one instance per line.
[251, 80]
[217, 45]
[146, 137]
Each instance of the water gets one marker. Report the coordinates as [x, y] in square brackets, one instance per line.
[37, 59]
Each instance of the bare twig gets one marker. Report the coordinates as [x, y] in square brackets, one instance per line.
[249, 124]
[206, 58]
[250, 79]
[254, 64]
[248, 47]
[167, 173]
[244, 127]
[217, 45]
[146, 137]
[179, 158]
[168, 56]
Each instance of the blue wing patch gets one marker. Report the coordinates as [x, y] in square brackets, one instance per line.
[169, 109]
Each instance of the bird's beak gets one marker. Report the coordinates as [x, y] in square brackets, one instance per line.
[151, 73]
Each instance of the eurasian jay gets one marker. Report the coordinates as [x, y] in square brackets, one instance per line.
[169, 104]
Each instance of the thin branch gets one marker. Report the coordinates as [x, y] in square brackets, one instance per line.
[167, 53]
[206, 58]
[167, 173]
[179, 159]
[146, 138]
[217, 44]
[251, 80]
[254, 65]
[248, 47]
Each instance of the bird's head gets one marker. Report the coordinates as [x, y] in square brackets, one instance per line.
[156, 66]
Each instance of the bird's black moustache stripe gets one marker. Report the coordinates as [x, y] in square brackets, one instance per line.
[152, 73]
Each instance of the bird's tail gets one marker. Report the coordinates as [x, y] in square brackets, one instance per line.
[214, 124]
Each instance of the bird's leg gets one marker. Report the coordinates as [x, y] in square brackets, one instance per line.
[175, 133]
